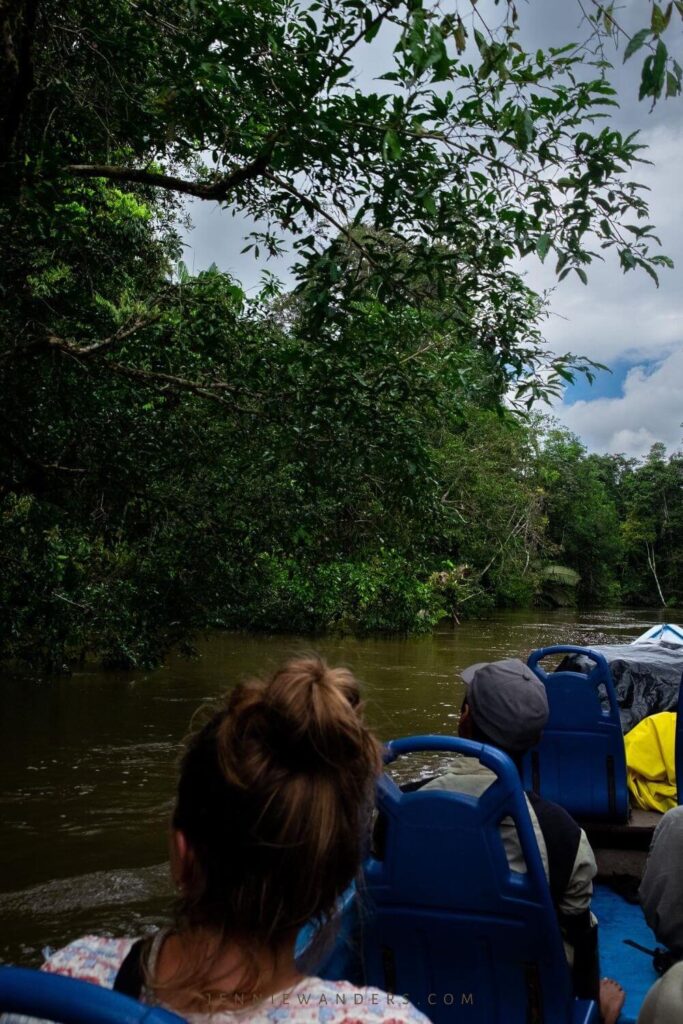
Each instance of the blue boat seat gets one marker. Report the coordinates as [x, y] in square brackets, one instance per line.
[447, 922]
[54, 997]
[580, 762]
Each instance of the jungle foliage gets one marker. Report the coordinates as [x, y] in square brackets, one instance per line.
[176, 456]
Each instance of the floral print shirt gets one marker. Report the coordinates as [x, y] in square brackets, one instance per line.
[312, 1001]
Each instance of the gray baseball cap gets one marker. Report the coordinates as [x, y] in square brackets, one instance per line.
[508, 702]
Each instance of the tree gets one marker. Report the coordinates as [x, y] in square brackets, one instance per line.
[176, 456]
[583, 524]
[468, 162]
[652, 529]
[493, 534]
[660, 71]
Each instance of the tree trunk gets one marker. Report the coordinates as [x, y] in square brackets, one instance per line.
[17, 29]
[651, 562]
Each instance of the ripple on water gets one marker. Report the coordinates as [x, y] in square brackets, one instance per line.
[87, 892]
[118, 902]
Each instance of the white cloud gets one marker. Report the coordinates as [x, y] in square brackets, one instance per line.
[624, 316]
[617, 317]
[649, 409]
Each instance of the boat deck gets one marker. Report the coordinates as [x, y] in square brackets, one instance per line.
[622, 849]
[619, 920]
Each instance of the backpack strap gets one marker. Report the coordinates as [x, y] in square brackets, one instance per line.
[562, 836]
[130, 978]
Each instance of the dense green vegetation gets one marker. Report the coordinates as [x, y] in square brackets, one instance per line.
[176, 456]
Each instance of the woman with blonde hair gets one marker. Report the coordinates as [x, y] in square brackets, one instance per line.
[271, 818]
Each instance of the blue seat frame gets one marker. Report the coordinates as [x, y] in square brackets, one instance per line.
[678, 748]
[54, 997]
[580, 761]
[447, 922]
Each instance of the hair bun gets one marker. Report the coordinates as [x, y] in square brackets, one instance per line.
[274, 801]
[306, 717]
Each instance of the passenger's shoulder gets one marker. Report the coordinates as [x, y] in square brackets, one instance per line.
[464, 775]
[93, 958]
[551, 811]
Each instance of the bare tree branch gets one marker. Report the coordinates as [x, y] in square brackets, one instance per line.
[155, 379]
[217, 190]
[114, 339]
[83, 351]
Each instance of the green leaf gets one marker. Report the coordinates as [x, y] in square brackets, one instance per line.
[660, 18]
[635, 43]
[524, 128]
[371, 29]
[480, 40]
[460, 36]
[429, 204]
[658, 67]
[391, 147]
[542, 246]
[582, 274]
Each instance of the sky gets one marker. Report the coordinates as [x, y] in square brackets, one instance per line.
[621, 320]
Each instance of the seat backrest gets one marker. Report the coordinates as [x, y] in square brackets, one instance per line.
[448, 923]
[55, 997]
[580, 761]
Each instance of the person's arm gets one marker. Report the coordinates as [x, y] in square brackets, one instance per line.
[578, 923]
[92, 958]
[579, 892]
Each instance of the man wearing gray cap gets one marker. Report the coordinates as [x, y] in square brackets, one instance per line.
[506, 707]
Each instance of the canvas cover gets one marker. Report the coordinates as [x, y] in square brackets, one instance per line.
[647, 677]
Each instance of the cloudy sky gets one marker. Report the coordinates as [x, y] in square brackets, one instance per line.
[618, 319]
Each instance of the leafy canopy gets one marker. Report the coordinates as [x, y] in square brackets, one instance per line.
[176, 456]
[464, 153]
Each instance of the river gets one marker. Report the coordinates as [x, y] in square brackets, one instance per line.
[87, 763]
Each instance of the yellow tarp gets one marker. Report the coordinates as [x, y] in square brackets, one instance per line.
[650, 764]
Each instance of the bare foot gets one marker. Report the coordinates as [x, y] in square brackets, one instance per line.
[611, 1000]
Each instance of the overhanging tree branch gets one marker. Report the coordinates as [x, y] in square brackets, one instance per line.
[162, 381]
[217, 190]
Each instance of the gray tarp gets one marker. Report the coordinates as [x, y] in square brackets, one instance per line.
[646, 677]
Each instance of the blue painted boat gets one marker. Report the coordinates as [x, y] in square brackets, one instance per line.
[663, 633]
[580, 764]
[621, 923]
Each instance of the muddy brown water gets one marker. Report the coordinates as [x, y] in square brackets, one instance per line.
[87, 763]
